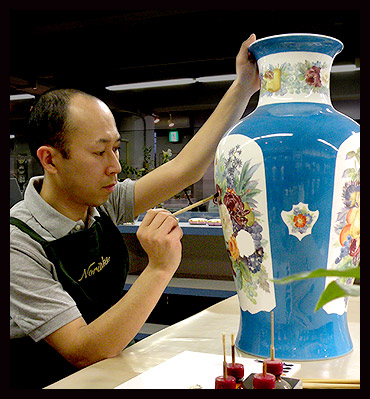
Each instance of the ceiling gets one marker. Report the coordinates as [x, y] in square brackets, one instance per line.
[90, 50]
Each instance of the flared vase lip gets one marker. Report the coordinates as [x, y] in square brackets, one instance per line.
[310, 42]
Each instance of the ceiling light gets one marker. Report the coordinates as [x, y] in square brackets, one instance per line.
[156, 118]
[345, 68]
[15, 97]
[203, 79]
[147, 85]
[216, 78]
[171, 123]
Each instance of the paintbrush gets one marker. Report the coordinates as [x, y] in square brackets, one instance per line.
[203, 201]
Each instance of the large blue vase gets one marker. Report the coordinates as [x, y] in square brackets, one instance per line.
[288, 176]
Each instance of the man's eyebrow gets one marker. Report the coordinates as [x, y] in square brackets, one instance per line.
[103, 140]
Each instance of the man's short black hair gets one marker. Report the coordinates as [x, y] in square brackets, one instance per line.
[48, 122]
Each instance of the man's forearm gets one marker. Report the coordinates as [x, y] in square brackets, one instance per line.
[84, 344]
[110, 333]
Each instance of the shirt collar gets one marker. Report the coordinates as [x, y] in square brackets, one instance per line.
[49, 218]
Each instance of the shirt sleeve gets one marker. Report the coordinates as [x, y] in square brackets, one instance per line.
[120, 206]
[38, 303]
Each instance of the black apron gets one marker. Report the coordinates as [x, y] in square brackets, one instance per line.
[92, 266]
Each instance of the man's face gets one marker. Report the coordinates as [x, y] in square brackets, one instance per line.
[89, 175]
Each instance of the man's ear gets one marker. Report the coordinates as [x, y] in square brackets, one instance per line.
[46, 155]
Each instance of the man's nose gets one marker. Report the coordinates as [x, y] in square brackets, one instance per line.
[114, 166]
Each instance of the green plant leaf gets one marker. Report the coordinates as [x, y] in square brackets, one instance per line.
[336, 290]
[351, 272]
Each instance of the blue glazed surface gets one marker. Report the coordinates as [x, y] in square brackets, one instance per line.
[299, 142]
[296, 42]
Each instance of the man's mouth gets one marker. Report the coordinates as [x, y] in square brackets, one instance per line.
[110, 187]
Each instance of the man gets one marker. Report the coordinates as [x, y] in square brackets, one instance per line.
[68, 260]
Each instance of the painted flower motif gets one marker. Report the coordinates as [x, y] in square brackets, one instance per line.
[226, 222]
[218, 200]
[254, 262]
[236, 209]
[354, 248]
[312, 76]
[237, 189]
[300, 220]
[268, 74]
[273, 80]
[348, 219]
[233, 248]
[351, 191]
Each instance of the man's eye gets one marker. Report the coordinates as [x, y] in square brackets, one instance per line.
[100, 153]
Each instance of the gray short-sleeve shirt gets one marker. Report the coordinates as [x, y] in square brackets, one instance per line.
[38, 303]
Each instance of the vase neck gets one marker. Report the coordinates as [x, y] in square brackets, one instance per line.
[296, 76]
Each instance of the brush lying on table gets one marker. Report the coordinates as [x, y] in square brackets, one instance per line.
[312, 383]
[201, 202]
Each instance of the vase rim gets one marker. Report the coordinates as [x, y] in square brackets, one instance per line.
[288, 42]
